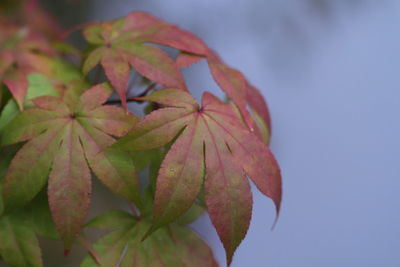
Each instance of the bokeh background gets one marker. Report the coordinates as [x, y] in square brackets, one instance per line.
[330, 71]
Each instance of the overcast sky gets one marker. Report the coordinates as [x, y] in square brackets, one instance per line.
[330, 73]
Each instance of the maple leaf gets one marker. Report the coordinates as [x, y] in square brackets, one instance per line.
[38, 85]
[124, 42]
[19, 245]
[231, 81]
[214, 146]
[19, 49]
[260, 112]
[244, 95]
[239, 90]
[67, 135]
[173, 245]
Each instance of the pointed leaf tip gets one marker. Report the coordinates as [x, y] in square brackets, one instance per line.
[168, 246]
[65, 138]
[123, 43]
[219, 129]
[66, 252]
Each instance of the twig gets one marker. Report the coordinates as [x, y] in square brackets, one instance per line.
[74, 28]
[118, 101]
[134, 98]
[148, 89]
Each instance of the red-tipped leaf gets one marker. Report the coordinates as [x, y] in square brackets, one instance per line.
[219, 129]
[69, 135]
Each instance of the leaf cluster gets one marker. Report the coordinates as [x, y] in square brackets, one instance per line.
[61, 124]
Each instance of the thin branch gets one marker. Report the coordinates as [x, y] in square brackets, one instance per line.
[74, 28]
[134, 98]
[118, 101]
[148, 89]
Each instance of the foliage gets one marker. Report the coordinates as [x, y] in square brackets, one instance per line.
[60, 123]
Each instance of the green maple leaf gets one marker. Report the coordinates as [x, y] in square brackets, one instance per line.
[19, 245]
[215, 147]
[65, 140]
[174, 245]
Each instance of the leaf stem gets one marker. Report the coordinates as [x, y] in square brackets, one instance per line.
[97, 75]
[148, 89]
[86, 244]
[133, 209]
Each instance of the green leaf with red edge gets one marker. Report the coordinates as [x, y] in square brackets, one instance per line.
[174, 246]
[17, 84]
[216, 148]
[121, 43]
[66, 137]
[42, 74]
[39, 85]
[19, 53]
[69, 184]
[230, 80]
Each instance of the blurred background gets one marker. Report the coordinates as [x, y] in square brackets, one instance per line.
[330, 73]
